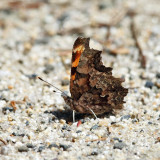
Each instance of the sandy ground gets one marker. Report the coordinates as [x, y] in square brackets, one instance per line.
[36, 39]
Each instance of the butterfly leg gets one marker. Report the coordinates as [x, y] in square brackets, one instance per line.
[73, 116]
[93, 112]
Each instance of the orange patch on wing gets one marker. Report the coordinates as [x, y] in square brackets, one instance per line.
[77, 51]
[73, 76]
[76, 54]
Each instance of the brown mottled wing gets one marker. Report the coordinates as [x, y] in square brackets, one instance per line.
[92, 85]
[76, 88]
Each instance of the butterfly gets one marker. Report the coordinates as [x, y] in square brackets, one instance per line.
[93, 88]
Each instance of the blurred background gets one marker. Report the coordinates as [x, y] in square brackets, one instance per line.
[36, 37]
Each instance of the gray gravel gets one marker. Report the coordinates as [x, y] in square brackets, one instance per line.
[36, 39]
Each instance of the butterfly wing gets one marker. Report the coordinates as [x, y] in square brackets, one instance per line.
[92, 85]
[78, 81]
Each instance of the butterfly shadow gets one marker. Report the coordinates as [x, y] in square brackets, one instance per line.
[67, 115]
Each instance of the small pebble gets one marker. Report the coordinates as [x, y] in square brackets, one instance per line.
[48, 68]
[126, 117]
[53, 145]
[134, 120]
[30, 145]
[94, 127]
[117, 139]
[158, 75]
[62, 121]
[2, 98]
[10, 87]
[41, 148]
[150, 123]
[133, 143]
[62, 17]
[4, 150]
[158, 83]
[65, 82]
[27, 47]
[79, 131]
[119, 145]
[17, 134]
[149, 84]
[145, 111]
[41, 41]
[103, 122]
[65, 147]
[66, 127]
[102, 6]
[5, 109]
[23, 149]
[27, 123]
[94, 153]
[32, 76]
[113, 118]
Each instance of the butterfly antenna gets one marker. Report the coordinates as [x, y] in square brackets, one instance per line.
[52, 86]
